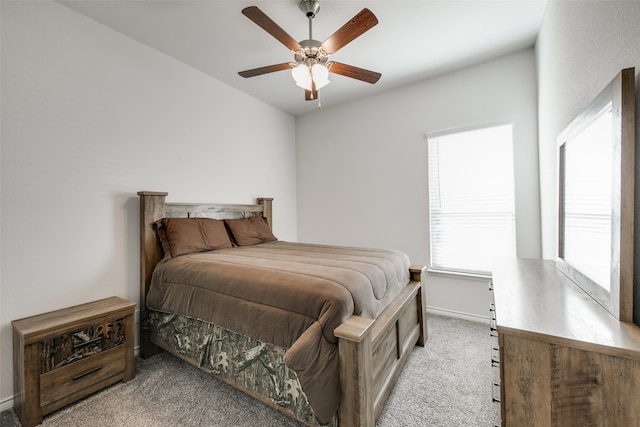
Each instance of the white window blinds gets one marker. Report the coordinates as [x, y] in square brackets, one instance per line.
[471, 198]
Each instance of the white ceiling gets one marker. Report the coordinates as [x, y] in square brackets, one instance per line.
[414, 39]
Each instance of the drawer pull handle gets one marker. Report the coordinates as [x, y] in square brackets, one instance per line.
[77, 377]
[86, 343]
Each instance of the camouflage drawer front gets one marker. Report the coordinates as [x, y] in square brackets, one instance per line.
[68, 348]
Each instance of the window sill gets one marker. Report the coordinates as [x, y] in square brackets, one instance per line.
[459, 275]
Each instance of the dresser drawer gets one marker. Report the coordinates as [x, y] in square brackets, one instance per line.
[80, 378]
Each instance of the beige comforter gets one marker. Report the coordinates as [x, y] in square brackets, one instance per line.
[290, 294]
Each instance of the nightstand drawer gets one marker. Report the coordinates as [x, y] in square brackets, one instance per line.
[78, 377]
[70, 347]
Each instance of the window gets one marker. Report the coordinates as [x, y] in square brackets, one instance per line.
[471, 198]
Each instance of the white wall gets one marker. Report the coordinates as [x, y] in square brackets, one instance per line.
[90, 117]
[582, 45]
[362, 167]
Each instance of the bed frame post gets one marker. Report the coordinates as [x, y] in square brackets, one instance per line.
[152, 208]
[267, 213]
[356, 372]
[416, 273]
[373, 352]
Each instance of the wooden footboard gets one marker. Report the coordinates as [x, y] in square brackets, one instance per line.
[373, 353]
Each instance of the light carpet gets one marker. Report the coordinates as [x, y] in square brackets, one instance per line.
[447, 383]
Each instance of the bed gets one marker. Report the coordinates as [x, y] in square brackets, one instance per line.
[354, 361]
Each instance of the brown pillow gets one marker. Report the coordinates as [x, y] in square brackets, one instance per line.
[162, 235]
[188, 235]
[250, 231]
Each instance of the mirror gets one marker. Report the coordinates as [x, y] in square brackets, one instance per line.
[596, 197]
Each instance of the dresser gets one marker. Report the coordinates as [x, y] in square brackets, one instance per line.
[64, 355]
[562, 360]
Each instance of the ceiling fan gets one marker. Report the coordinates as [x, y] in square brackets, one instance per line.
[312, 66]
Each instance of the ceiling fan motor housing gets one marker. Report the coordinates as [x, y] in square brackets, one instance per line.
[311, 53]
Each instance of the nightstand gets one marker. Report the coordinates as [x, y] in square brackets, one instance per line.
[65, 355]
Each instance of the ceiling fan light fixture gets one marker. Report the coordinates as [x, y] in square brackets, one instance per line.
[320, 75]
[304, 75]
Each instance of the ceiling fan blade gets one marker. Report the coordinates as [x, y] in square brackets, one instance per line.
[353, 72]
[357, 26]
[268, 69]
[259, 17]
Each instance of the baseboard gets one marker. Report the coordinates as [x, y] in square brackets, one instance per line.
[6, 404]
[458, 314]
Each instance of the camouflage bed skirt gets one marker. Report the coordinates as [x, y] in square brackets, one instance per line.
[243, 360]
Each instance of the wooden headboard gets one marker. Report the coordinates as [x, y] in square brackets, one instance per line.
[153, 207]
